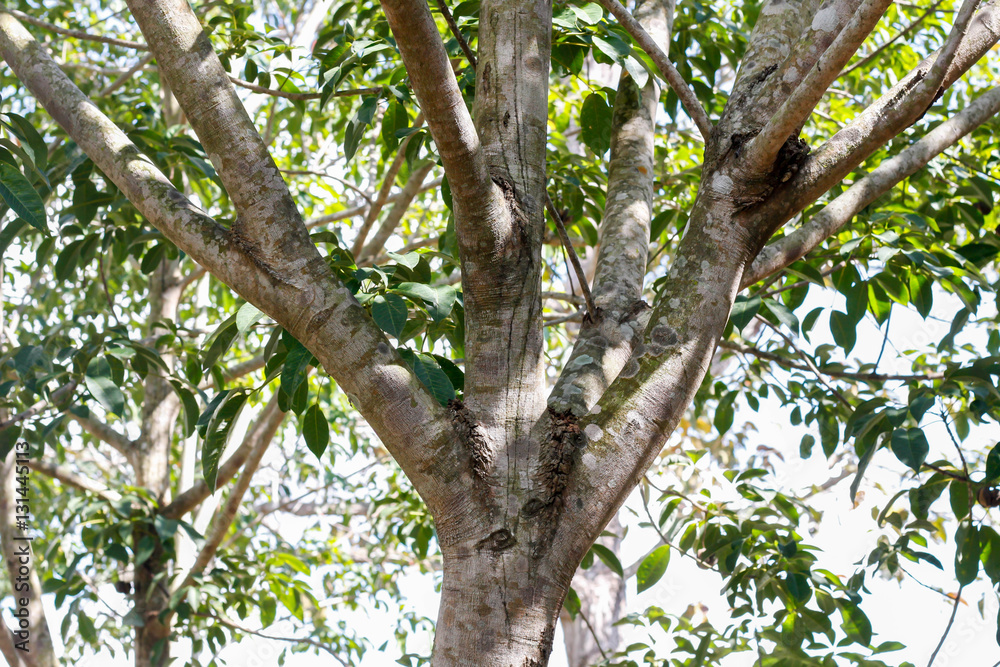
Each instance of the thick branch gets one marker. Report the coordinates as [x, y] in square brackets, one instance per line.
[865, 190]
[667, 70]
[309, 302]
[450, 124]
[888, 116]
[268, 226]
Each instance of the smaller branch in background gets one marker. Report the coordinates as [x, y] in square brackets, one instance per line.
[808, 362]
[301, 97]
[38, 407]
[123, 79]
[78, 34]
[669, 73]
[947, 629]
[70, 478]
[574, 260]
[902, 33]
[320, 174]
[450, 20]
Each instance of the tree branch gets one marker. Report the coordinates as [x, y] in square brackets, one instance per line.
[226, 513]
[605, 342]
[54, 398]
[902, 33]
[395, 216]
[763, 149]
[888, 116]
[383, 194]
[301, 97]
[104, 433]
[433, 80]
[257, 438]
[669, 73]
[450, 20]
[304, 297]
[70, 478]
[78, 34]
[866, 190]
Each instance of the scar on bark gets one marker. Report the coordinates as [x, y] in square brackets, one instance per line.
[506, 186]
[471, 435]
[791, 156]
[558, 459]
[249, 250]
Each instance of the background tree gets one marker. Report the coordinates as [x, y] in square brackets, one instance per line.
[789, 169]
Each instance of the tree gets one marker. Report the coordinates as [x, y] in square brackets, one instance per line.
[522, 455]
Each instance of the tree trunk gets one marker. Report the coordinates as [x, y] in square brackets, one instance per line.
[497, 608]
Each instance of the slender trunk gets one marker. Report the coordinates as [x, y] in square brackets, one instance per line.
[152, 466]
[593, 635]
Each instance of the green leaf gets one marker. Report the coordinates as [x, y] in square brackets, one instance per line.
[247, 316]
[429, 372]
[572, 603]
[190, 404]
[30, 138]
[22, 198]
[967, 552]
[595, 124]
[8, 438]
[637, 71]
[609, 558]
[958, 497]
[220, 427]
[145, 549]
[296, 365]
[798, 586]
[844, 330]
[990, 556]
[993, 465]
[356, 127]
[744, 310]
[652, 568]
[910, 446]
[224, 337]
[783, 314]
[612, 46]
[855, 624]
[315, 430]
[439, 300]
[99, 383]
[589, 14]
[390, 312]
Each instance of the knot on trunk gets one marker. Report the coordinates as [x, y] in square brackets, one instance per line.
[471, 434]
[497, 541]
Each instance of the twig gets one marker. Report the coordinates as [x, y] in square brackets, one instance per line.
[954, 611]
[128, 74]
[667, 70]
[78, 34]
[808, 362]
[905, 31]
[847, 375]
[301, 97]
[574, 260]
[450, 20]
